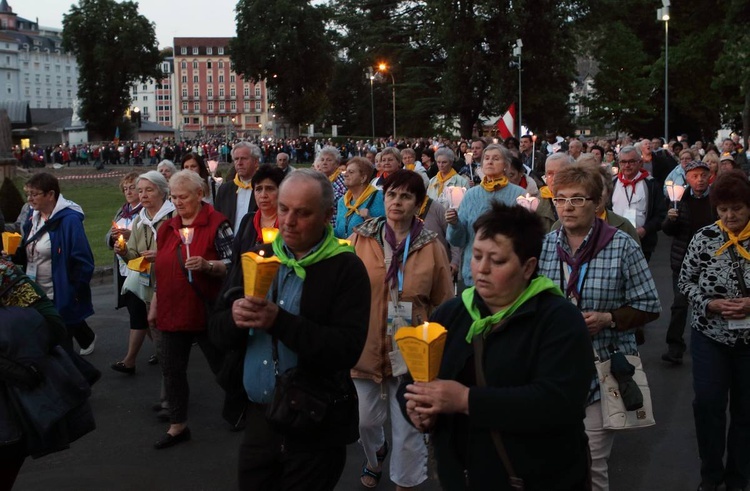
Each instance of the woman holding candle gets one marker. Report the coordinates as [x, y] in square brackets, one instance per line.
[532, 348]
[409, 276]
[446, 176]
[494, 186]
[361, 201]
[714, 277]
[188, 277]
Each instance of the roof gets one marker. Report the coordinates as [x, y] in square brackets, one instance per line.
[201, 44]
[4, 7]
[18, 112]
[52, 118]
[151, 127]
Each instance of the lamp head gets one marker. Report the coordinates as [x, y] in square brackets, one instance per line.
[382, 67]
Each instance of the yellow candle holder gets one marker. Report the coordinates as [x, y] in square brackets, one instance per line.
[269, 234]
[11, 241]
[422, 348]
[258, 272]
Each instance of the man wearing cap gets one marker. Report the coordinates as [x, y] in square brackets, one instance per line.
[684, 218]
[728, 148]
[726, 162]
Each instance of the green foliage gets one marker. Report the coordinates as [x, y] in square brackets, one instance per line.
[114, 47]
[286, 43]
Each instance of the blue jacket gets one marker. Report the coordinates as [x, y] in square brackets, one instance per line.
[345, 225]
[72, 264]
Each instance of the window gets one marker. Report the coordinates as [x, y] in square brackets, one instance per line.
[208, 63]
[195, 50]
[145, 87]
[222, 106]
[184, 107]
[209, 50]
[183, 51]
[145, 111]
[135, 90]
[221, 65]
[195, 79]
[195, 92]
[221, 79]
[221, 91]
[196, 107]
[232, 78]
[69, 94]
[184, 79]
[195, 65]
[246, 107]
[67, 80]
[233, 106]
[246, 91]
[186, 120]
[221, 50]
[210, 92]
[184, 92]
[196, 120]
[210, 78]
[257, 106]
[248, 119]
[257, 91]
[232, 92]
[210, 106]
[59, 92]
[145, 97]
[183, 65]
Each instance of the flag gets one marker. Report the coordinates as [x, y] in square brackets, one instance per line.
[117, 135]
[507, 124]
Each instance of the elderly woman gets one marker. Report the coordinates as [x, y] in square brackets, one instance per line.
[328, 163]
[194, 162]
[714, 278]
[156, 209]
[409, 277]
[167, 168]
[602, 270]
[495, 186]
[58, 256]
[390, 162]
[537, 361]
[361, 201]
[446, 176]
[186, 284]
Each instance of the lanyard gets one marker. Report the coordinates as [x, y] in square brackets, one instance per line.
[403, 265]
[565, 270]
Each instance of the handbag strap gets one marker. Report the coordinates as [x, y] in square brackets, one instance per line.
[514, 481]
[737, 268]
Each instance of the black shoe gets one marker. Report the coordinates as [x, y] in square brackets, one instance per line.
[672, 357]
[120, 367]
[170, 441]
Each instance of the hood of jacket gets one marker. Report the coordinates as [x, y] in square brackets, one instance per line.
[374, 228]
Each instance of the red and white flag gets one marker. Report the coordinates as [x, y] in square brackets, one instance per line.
[507, 124]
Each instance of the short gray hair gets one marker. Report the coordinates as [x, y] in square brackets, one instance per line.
[391, 151]
[566, 159]
[254, 149]
[193, 180]
[326, 189]
[507, 156]
[445, 152]
[630, 149]
[333, 151]
[168, 164]
[155, 178]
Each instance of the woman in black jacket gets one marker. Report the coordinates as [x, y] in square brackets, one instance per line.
[537, 361]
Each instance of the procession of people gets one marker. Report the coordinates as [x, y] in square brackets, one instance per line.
[536, 265]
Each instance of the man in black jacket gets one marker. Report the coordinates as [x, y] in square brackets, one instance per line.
[692, 212]
[317, 316]
[235, 198]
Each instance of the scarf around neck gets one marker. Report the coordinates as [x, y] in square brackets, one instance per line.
[329, 247]
[643, 174]
[440, 180]
[601, 235]
[352, 208]
[425, 207]
[128, 212]
[491, 185]
[734, 240]
[259, 229]
[546, 193]
[391, 275]
[166, 208]
[335, 175]
[240, 184]
[482, 325]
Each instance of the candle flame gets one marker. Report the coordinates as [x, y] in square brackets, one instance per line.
[261, 253]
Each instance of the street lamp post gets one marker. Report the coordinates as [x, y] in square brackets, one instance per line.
[662, 14]
[371, 76]
[517, 53]
[383, 68]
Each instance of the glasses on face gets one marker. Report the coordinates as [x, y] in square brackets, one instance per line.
[33, 195]
[576, 201]
[629, 162]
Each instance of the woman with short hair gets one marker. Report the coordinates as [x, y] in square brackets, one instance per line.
[446, 175]
[166, 168]
[361, 201]
[194, 162]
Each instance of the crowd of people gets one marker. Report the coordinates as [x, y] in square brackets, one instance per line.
[533, 254]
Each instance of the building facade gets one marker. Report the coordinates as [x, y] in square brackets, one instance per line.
[155, 98]
[210, 96]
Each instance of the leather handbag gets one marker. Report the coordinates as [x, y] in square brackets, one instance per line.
[614, 414]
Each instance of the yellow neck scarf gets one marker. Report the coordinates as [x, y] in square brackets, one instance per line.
[491, 185]
[410, 166]
[440, 180]
[603, 215]
[240, 184]
[735, 240]
[423, 207]
[335, 175]
[352, 208]
[546, 192]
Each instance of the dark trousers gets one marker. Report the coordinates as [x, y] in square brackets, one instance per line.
[82, 333]
[174, 354]
[677, 321]
[718, 372]
[266, 464]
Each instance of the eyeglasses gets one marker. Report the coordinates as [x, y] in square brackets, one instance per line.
[577, 201]
[34, 195]
[628, 162]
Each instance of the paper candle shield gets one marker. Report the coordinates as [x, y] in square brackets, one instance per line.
[139, 264]
[11, 241]
[258, 273]
[422, 349]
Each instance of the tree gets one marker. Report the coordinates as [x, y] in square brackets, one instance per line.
[114, 47]
[286, 44]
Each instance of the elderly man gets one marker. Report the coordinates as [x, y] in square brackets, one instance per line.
[546, 210]
[282, 162]
[692, 212]
[314, 319]
[575, 148]
[638, 198]
[235, 198]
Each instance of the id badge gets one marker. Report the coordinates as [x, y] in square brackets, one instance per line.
[398, 365]
[737, 324]
[144, 279]
[399, 315]
[630, 215]
[31, 271]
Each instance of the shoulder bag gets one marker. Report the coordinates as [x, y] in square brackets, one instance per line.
[614, 414]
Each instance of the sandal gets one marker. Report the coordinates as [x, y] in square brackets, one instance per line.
[366, 472]
[383, 452]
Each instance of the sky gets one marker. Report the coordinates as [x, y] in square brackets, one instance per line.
[173, 18]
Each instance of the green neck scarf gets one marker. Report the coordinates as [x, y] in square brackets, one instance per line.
[329, 248]
[481, 326]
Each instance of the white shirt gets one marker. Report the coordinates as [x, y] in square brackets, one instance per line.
[629, 204]
[243, 204]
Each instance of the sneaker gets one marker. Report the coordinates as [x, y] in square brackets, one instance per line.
[90, 349]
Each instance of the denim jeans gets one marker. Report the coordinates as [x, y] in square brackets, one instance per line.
[722, 373]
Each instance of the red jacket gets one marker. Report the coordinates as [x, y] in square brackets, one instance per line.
[179, 306]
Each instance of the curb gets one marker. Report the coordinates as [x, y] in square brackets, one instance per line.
[102, 274]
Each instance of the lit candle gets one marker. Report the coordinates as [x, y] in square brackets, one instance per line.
[121, 241]
[269, 234]
[425, 331]
[529, 202]
[186, 234]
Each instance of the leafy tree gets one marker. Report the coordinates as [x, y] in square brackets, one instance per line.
[114, 47]
[286, 43]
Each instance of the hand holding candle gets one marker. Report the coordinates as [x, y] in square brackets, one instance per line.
[186, 234]
[674, 191]
[529, 202]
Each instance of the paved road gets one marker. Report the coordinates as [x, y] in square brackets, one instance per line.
[119, 456]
